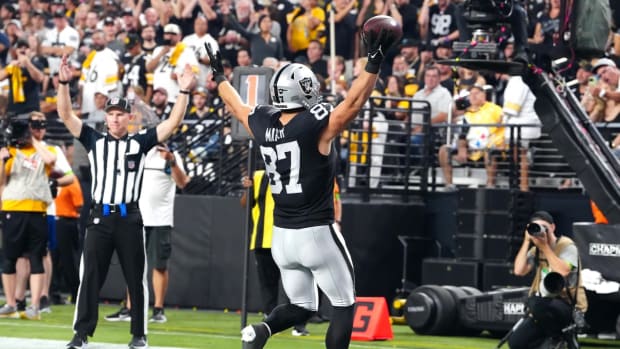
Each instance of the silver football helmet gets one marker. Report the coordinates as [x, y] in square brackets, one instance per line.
[294, 86]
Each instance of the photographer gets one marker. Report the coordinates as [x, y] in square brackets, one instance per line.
[550, 310]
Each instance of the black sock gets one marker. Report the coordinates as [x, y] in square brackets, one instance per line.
[340, 328]
[285, 316]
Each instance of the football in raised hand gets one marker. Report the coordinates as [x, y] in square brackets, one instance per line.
[373, 27]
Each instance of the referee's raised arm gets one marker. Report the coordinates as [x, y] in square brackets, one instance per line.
[186, 82]
[65, 112]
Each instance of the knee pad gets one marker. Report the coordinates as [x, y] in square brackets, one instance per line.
[8, 267]
[36, 265]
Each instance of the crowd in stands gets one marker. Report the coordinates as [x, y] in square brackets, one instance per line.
[138, 48]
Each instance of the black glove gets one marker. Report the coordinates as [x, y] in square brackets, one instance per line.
[378, 45]
[53, 187]
[215, 60]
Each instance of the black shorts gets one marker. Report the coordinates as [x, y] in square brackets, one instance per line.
[158, 246]
[24, 234]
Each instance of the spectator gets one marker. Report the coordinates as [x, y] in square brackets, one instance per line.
[435, 94]
[37, 27]
[148, 39]
[479, 140]
[130, 22]
[25, 76]
[263, 43]
[61, 40]
[168, 60]
[230, 40]
[305, 23]
[134, 72]
[438, 22]
[197, 41]
[315, 59]
[519, 110]
[160, 104]
[345, 29]
[100, 73]
[200, 110]
[90, 25]
[409, 9]
[110, 30]
[585, 79]
[401, 69]
[243, 58]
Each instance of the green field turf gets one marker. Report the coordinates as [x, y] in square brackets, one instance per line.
[220, 330]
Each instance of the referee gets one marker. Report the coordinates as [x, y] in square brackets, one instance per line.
[117, 163]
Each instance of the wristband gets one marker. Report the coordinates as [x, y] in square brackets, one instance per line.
[602, 94]
[66, 82]
[185, 92]
[372, 68]
[220, 78]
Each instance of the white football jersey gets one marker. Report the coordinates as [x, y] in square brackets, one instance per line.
[197, 44]
[100, 76]
[519, 108]
[162, 76]
[66, 37]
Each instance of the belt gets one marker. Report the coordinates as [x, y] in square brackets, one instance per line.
[123, 208]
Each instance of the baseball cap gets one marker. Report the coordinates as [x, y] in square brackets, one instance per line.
[161, 90]
[22, 43]
[59, 13]
[58, 2]
[409, 42]
[543, 216]
[15, 22]
[603, 62]
[200, 91]
[38, 12]
[131, 40]
[172, 28]
[127, 11]
[118, 103]
[108, 20]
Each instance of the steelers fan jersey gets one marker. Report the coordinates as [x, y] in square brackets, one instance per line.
[301, 178]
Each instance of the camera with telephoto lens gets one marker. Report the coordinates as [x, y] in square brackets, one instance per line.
[15, 131]
[536, 229]
[462, 103]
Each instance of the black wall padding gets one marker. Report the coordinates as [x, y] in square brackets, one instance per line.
[206, 266]
[207, 254]
[371, 231]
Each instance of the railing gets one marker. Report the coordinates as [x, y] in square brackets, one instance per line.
[383, 156]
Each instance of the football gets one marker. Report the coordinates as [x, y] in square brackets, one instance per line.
[373, 26]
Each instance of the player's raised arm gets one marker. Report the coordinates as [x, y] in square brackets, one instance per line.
[379, 34]
[231, 97]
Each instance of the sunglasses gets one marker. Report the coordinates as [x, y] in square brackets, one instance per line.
[38, 124]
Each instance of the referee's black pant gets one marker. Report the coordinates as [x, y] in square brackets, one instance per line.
[104, 234]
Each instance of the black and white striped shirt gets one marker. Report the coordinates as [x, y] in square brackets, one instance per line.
[116, 165]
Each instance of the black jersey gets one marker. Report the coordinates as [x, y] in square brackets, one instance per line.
[301, 178]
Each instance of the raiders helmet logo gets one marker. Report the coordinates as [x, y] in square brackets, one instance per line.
[306, 85]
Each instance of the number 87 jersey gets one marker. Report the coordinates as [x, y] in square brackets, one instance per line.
[301, 178]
